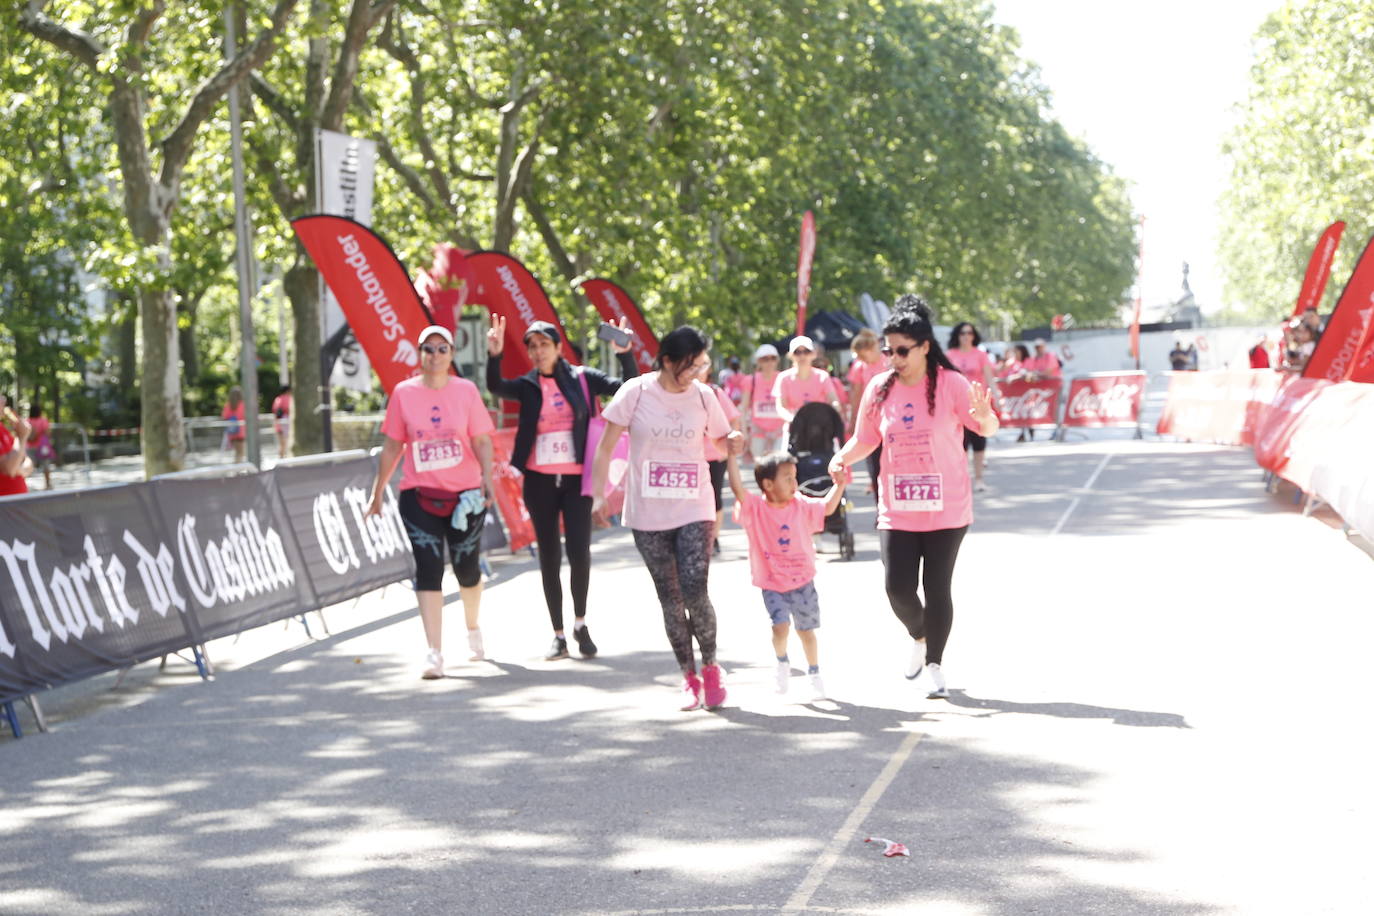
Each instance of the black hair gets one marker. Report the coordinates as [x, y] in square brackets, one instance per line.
[1022, 352]
[954, 335]
[911, 318]
[766, 468]
[681, 346]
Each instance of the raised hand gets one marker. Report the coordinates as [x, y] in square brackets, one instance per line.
[980, 401]
[496, 335]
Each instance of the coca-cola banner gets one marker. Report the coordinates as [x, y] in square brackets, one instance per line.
[88, 584]
[1105, 399]
[100, 579]
[613, 304]
[347, 551]
[373, 289]
[1029, 404]
[1221, 407]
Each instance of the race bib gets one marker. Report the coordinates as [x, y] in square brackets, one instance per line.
[917, 492]
[671, 480]
[436, 454]
[767, 407]
[554, 448]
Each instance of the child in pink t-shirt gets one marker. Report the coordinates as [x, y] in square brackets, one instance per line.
[782, 560]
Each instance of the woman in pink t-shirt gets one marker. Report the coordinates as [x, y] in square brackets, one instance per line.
[918, 411]
[235, 429]
[438, 424]
[976, 366]
[671, 416]
[803, 383]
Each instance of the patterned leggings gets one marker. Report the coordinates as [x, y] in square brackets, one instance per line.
[679, 560]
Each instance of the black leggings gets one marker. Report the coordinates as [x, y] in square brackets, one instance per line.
[875, 465]
[679, 561]
[903, 553]
[427, 536]
[549, 496]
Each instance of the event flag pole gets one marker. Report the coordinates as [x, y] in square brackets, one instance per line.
[248, 344]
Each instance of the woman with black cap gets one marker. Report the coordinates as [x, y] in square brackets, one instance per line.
[557, 402]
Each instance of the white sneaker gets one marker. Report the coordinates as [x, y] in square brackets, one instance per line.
[980, 487]
[783, 676]
[434, 665]
[938, 690]
[818, 686]
[918, 660]
[475, 644]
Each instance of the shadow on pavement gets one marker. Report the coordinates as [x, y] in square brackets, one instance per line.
[1070, 711]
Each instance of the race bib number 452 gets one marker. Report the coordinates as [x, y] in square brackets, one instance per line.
[918, 492]
[436, 454]
[671, 479]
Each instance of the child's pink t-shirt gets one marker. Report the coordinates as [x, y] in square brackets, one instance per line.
[713, 452]
[792, 392]
[971, 363]
[553, 434]
[924, 484]
[668, 484]
[437, 427]
[781, 556]
[763, 406]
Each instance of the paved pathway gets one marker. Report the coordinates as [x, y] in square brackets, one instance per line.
[1157, 671]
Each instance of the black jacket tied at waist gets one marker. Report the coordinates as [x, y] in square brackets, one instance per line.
[526, 390]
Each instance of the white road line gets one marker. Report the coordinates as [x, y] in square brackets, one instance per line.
[1086, 487]
[845, 835]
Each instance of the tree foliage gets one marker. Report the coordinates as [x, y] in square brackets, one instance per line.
[1302, 155]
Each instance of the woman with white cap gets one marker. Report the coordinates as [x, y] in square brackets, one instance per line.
[758, 407]
[557, 403]
[438, 424]
[803, 382]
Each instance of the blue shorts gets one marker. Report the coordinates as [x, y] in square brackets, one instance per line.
[802, 605]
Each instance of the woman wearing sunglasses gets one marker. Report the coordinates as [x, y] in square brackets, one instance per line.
[556, 406]
[438, 424]
[803, 383]
[976, 366]
[918, 411]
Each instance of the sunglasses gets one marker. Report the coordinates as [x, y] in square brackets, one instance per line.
[966, 333]
[897, 351]
[801, 350]
[435, 348]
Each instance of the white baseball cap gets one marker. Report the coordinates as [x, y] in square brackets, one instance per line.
[801, 342]
[765, 350]
[435, 329]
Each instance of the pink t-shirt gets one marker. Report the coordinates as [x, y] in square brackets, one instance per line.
[763, 407]
[668, 484]
[971, 363]
[1044, 364]
[781, 556]
[924, 484]
[792, 392]
[437, 427]
[553, 434]
[1010, 370]
[861, 373]
[713, 452]
[841, 392]
[235, 416]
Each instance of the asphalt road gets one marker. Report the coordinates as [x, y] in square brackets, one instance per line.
[1158, 675]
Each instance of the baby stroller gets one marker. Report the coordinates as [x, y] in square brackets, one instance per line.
[811, 440]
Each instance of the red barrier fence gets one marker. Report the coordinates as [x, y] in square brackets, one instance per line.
[1318, 435]
[1030, 404]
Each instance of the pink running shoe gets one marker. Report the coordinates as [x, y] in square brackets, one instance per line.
[691, 686]
[714, 689]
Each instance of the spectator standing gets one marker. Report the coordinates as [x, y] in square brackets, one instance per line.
[235, 427]
[281, 421]
[14, 459]
[1043, 364]
[1013, 363]
[44, 454]
[1259, 355]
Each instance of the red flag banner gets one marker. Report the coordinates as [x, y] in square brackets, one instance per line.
[504, 285]
[446, 285]
[1318, 269]
[1026, 403]
[805, 256]
[1105, 399]
[613, 303]
[1347, 330]
[373, 289]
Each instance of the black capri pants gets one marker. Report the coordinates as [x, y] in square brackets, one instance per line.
[974, 441]
[717, 469]
[428, 535]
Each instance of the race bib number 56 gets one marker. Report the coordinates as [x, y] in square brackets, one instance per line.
[671, 479]
[918, 492]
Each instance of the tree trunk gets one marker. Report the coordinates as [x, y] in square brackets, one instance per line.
[307, 422]
[164, 436]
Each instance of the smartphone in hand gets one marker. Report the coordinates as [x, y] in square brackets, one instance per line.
[610, 332]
